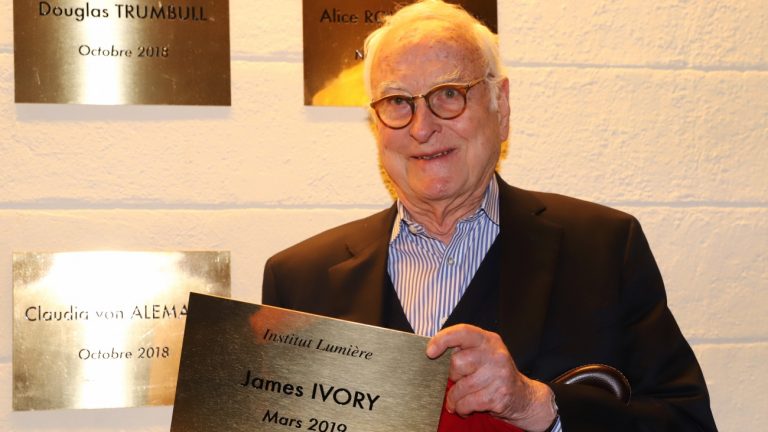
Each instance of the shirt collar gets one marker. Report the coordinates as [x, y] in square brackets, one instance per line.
[489, 207]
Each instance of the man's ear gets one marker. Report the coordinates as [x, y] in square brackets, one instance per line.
[373, 122]
[502, 101]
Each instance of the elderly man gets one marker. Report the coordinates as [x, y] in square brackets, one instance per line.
[522, 285]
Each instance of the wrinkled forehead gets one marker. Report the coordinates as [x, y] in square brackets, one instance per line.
[432, 51]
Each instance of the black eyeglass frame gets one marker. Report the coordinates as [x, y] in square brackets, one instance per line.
[463, 89]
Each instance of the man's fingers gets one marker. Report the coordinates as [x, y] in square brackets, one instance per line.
[460, 336]
[465, 363]
[466, 397]
[466, 385]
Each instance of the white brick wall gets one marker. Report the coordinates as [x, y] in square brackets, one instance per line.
[659, 108]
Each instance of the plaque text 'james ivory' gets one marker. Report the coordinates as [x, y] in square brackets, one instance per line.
[251, 367]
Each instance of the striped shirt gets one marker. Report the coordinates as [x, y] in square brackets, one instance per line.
[557, 427]
[429, 276]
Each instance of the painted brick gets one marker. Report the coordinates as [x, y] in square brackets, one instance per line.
[667, 33]
[640, 135]
[714, 271]
[6, 383]
[6, 26]
[736, 375]
[259, 28]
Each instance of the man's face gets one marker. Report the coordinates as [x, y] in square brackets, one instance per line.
[433, 161]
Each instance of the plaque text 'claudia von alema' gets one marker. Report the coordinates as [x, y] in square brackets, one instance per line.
[103, 329]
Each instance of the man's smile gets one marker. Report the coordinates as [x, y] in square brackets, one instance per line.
[434, 155]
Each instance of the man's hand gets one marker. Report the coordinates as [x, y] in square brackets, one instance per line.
[487, 380]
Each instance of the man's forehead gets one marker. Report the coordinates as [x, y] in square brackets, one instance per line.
[431, 33]
[437, 58]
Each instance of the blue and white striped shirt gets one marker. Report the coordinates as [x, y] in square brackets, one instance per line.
[429, 277]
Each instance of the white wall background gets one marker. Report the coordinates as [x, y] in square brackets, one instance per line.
[659, 108]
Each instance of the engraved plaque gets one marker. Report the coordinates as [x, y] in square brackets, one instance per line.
[113, 53]
[334, 32]
[104, 329]
[247, 367]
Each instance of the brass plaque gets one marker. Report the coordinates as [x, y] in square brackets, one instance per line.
[334, 32]
[104, 329]
[247, 367]
[112, 53]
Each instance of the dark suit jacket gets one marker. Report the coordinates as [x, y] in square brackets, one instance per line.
[578, 284]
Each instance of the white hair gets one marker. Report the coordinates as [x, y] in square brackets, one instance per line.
[458, 21]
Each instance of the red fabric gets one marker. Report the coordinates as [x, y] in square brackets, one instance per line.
[477, 422]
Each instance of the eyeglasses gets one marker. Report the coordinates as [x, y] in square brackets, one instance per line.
[446, 101]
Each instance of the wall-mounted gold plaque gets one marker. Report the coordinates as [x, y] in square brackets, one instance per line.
[247, 367]
[334, 31]
[104, 329]
[113, 53]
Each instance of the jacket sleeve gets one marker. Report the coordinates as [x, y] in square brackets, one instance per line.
[269, 289]
[668, 388]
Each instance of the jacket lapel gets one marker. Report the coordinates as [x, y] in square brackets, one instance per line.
[530, 247]
[359, 283]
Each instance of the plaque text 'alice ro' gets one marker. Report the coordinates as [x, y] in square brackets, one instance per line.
[111, 53]
[334, 31]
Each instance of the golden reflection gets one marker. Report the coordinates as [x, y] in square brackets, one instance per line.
[146, 52]
[103, 329]
[346, 89]
[102, 77]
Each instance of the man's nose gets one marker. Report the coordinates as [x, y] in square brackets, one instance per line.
[424, 122]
